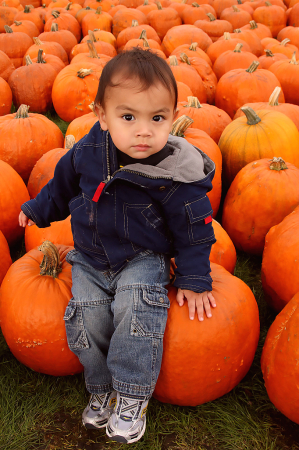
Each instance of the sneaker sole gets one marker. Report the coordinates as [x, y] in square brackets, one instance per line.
[90, 426]
[123, 440]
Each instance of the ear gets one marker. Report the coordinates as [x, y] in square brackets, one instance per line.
[175, 114]
[100, 113]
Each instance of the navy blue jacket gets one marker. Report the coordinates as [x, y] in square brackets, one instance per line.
[116, 213]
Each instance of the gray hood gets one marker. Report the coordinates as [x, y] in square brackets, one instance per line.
[187, 163]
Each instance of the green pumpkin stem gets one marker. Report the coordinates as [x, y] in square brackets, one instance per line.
[184, 58]
[253, 25]
[54, 27]
[55, 14]
[8, 29]
[50, 264]
[143, 35]
[252, 117]
[277, 164]
[268, 52]
[99, 10]
[180, 126]
[273, 100]
[211, 17]
[27, 9]
[22, 112]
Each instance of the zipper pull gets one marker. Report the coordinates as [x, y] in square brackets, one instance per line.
[99, 189]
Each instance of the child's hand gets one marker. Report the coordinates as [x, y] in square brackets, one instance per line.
[23, 220]
[200, 301]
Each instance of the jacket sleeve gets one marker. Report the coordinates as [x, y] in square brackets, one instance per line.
[190, 223]
[51, 204]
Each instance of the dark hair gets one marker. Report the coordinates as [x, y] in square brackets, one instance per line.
[145, 65]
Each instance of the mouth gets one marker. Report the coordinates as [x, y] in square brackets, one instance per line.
[141, 147]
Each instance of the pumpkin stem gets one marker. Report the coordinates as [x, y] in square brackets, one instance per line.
[211, 17]
[82, 73]
[159, 6]
[277, 164]
[8, 29]
[180, 126]
[238, 48]
[268, 52]
[70, 141]
[193, 102]
[146, 3]
[253, 24]
[135, 23]
[184, 58]
[226, 35]
[173, 60]
[50, 264]
[22, 112]
[235, 8]
[143, 35]
[285, 42]
[268, 4]
[92, 36]
[195, 5]
[253, 66]
[193, 46]
[27, 9]
[54, 27]
[99, 10]
[68, 6]
[91, 107]
[92, 50]
[55, 14]
[28, 60]
[37, 41]
[293, 59]
[273, 100]
[17, 24]
[252, 117]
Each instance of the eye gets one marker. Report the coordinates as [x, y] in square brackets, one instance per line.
[158, 118]
[128, 117]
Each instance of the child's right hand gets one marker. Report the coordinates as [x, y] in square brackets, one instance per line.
[23, 220]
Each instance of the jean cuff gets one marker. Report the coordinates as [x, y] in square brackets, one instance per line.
[99, 388]
[141, 392]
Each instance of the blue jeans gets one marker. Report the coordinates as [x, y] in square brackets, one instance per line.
[115, 322]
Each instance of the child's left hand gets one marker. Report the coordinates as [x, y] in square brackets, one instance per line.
[200, 301]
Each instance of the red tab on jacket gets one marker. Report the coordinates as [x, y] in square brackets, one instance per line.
[208, 219]
[98, 192]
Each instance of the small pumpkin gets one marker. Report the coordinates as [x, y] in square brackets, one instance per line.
[32, 324]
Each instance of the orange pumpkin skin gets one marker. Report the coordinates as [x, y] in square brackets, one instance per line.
[223, 252]
[5, 258]
[32, 324]
[25, 139]
[280, 269]
[279, 362]
[13, 193]
[217, 352]
[184, 34]
[81, 126]
[241, 143]
[6, 97]
[43, 170]
[245, 217]
[287, 72]
[58, 233]
[6, 66]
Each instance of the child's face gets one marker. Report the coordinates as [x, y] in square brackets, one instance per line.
[139, 122]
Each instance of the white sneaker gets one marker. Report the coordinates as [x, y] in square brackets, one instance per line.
[98, 410]
[127, 422]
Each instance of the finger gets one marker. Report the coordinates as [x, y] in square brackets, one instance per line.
[212, 299]
[180, 297]
[191, 306]
[199, 307]
[30, 223]
[206, 305]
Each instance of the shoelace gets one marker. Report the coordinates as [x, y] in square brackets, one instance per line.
[99, 401]
[128, 408]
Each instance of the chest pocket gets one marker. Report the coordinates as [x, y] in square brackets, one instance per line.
[199, 229]
[143, 220]
[83, 213]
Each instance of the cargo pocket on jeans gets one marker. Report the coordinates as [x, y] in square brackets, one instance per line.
[150, 313]
[75, 331]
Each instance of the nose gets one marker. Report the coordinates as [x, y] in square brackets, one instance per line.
[143, 130]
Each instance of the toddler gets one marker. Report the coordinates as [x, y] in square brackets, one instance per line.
[137, 197]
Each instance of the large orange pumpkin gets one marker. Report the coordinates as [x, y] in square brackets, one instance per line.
[279, 360]
[34, 295]
[204, 360]
[59, 232]
[280, 265]
[245, 217]
[82, 125]
[223, 251]
[256, 136]
[25, 137]
[5, 258]
[6, 97]
[13, 193]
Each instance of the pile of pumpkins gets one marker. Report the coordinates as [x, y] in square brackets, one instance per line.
[238, 81]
